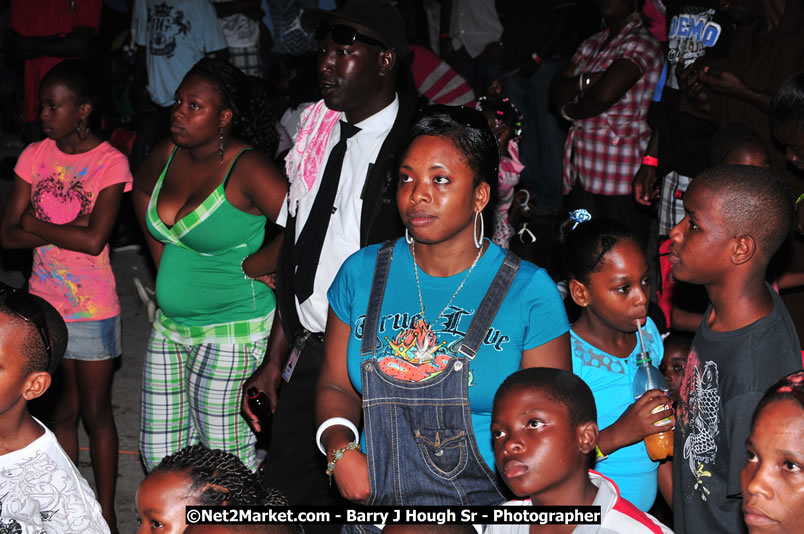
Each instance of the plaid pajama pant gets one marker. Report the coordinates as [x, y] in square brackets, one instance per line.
[192, 394]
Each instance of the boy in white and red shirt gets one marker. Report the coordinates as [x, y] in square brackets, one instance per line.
[543, 428]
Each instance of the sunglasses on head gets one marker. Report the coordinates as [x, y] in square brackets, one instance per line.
[344, 35]
[26, 307]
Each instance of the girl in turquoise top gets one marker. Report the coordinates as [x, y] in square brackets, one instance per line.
[204, 195]
[608, 279]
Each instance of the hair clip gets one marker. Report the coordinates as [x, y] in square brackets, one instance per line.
[579, 216]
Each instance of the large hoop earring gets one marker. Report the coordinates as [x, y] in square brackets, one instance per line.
[78, 129]
[478, 241]
[220, 146]
[408, 239]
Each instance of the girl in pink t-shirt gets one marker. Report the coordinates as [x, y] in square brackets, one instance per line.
[66, 195]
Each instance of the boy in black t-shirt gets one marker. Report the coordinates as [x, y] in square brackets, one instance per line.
[736, 217]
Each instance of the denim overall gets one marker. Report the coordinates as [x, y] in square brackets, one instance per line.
[419, 441]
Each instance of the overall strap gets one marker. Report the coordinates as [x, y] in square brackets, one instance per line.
[487, 310]
[372, 320]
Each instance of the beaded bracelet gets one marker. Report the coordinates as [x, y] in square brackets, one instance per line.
[337, 454]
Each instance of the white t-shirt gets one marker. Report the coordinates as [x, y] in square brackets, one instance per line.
[42, 492]
[617, 514]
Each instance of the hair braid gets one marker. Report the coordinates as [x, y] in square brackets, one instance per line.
[220, 478]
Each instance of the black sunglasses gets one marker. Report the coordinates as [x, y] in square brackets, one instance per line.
[24, 306]
[344, 35]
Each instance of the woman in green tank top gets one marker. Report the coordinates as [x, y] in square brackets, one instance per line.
[203, 197]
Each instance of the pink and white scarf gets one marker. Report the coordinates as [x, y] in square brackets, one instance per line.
[304, 159]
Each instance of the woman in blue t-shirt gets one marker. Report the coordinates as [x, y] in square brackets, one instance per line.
[424, 359]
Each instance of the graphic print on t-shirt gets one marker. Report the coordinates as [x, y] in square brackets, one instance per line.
[409, 349]
[61, 197]
[699, 418]
[164, 24]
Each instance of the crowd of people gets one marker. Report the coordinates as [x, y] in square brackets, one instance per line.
[415, 169]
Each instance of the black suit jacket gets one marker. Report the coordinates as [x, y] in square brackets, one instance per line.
[379, 219]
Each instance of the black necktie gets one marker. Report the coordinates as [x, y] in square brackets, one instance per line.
[311, 239]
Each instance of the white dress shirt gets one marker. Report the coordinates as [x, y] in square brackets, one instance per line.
[343, 234]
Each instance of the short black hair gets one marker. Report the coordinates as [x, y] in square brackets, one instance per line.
[788, 102]
[678, 339]
[730, 138]
[753, 201]
[253, 119]
[584, 247]
[33, 347]
[469, 131]
[561, 386]
[790, 387]
[220, 478]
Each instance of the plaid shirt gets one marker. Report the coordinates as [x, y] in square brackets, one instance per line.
[605, 151]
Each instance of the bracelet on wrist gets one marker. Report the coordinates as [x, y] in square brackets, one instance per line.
[650, 161]
[334, 421]
[563, 111]
[584, 81]
[337, 454]
[247, 277]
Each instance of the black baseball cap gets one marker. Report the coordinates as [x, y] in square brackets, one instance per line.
[379, 16]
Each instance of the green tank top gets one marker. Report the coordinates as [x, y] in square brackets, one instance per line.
[200, 287]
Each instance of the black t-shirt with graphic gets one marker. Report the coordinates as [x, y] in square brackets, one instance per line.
[725, 376]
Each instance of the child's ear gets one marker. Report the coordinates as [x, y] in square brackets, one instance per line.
[744, 249]
[579, 293]
[35, 385]
[587, 436]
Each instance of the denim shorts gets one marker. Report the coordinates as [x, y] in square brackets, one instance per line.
[94, 340]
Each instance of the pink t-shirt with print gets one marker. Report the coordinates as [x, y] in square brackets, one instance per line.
[64, 186]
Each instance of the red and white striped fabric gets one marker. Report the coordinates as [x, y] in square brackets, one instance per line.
[604, 152]
[437, 81]
[617, 514]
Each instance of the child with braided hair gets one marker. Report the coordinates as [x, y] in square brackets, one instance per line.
[198, 476]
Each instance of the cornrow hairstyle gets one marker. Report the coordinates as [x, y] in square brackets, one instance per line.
[252, 114]
[791, 387]
[788, 103]
[730, 138]
[220, 478]
[32, 346]
[505, 111]
[585, 247]
[561, 386]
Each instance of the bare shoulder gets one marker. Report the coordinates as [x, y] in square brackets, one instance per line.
[254, 167]
[148, 173]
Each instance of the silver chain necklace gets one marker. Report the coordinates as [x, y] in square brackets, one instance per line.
[419, 287]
